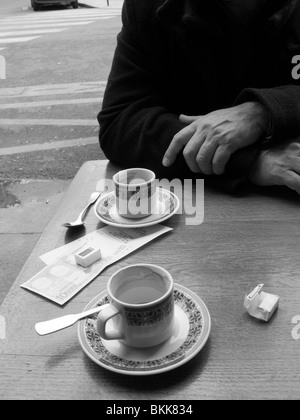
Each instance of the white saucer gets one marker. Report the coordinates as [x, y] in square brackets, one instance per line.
[105, 209]
[191, 331]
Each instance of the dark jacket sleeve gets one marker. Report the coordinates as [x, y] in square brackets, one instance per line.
[136, 125]
[283, 104]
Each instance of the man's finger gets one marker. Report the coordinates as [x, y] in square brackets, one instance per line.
[177, 144]
[188, 119]
[206, 154]
[296, 165]
[221, 157]
[292, 180]
[191, 150]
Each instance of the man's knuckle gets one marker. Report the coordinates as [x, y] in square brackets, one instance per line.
[206, 125]
[177, 137]
[216, 131]
[200, 159]
[223, 138]
[295, 147]
[211, 140]
[188, 152]
[220, 138]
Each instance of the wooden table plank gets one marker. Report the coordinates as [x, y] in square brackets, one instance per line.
[242, 242]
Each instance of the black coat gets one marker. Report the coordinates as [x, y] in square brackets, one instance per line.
[189, 57]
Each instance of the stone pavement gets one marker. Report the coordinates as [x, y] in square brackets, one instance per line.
[27, 205]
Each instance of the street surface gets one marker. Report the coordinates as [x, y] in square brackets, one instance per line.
[56, 65]
[57, 62]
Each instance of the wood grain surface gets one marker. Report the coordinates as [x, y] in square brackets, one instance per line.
[242, 242]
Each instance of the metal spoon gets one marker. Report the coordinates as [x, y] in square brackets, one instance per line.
[57, 324]
[79, 221]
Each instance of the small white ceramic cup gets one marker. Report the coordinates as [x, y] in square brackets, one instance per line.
[135, 190]
[141, 310]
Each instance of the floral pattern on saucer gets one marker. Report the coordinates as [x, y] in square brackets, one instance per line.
[167, 204]
[198, 331]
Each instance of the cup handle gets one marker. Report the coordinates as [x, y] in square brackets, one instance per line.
[102, 320]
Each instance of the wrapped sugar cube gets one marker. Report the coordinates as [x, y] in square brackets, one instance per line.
[87, 256]
[261, 305]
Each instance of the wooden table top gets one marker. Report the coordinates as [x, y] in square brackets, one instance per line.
[242, 242]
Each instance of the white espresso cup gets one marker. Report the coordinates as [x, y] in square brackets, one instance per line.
[141, 309]
[135, 191]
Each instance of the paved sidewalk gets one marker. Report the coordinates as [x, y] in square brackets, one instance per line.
[26, 205]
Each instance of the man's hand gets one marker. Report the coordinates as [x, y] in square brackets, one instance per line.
[278, 166]
[208, 141]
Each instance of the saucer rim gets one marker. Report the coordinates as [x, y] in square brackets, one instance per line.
[87, 350]
[138, 223]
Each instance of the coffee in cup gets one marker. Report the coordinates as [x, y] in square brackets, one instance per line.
[141, 309]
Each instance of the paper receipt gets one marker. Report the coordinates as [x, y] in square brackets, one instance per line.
[63, 278]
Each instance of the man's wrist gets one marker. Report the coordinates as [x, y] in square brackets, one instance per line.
[262, 172]
[264, 120]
